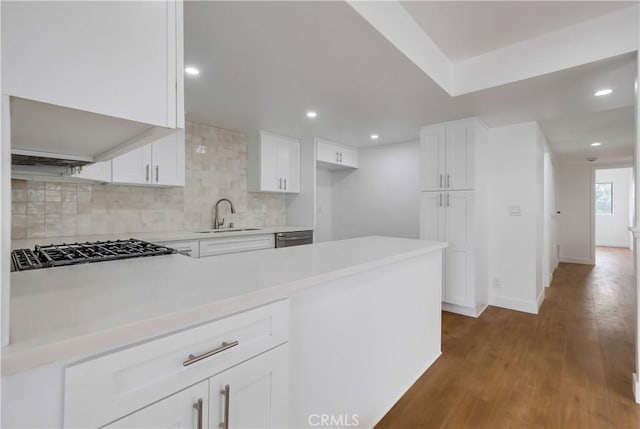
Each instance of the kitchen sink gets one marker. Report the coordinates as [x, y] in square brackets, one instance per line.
[213, 231]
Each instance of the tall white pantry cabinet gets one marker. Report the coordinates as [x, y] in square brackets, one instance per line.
[454, 208]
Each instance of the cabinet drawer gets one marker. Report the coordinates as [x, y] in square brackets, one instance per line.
[103, 389]
[188, 248]
[220, 246]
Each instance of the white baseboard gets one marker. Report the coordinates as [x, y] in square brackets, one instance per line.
[540, 300]
[514, 304]
[464, 311]
[636, 387]
[576, 260]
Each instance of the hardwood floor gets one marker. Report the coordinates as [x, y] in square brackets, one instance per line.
[568, 367]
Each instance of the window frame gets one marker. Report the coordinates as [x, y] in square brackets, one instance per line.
[610, 213]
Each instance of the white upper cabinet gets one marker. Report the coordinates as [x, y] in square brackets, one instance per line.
[160, 163]
[447, 156]
[120, 59]
[274, 164]
[331, 156]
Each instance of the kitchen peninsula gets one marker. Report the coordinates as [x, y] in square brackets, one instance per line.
[350, 324]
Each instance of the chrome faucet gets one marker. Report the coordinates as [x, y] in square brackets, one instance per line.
[217, 224]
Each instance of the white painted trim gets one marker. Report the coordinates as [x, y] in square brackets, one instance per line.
[576, 260]
[514, 304]
[540, 299]
[421, 372]
[393, 21]
[636, 387]
[464, 311]
[5, 217]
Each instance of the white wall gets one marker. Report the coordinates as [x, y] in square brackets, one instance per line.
[575, 194]
[514, 241]
[612, 229]
[381, 197]
[324, 211]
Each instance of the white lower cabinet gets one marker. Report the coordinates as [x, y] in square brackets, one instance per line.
[156, 384]
[447, 216]
[183, 410]
[224, 245]
[255, 393]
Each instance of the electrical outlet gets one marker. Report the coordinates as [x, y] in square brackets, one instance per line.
[497, 283]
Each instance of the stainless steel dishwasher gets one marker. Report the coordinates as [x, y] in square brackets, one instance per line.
[295, 238]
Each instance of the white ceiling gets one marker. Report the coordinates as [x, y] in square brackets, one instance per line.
[264, 64]
[572, 136]
[482, 26]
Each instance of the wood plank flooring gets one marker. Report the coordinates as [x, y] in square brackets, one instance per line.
[568, 367]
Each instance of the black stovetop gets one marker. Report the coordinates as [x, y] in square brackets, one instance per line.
[55, 255]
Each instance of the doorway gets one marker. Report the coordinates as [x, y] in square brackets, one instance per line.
[614, 203]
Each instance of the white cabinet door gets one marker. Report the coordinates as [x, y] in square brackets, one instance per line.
[274, 164]
[459, 156]
[458, 228]
[270, 177]
[168, 161]
[348, 157]
[93, 56]
[255, 392]
[433, 157]
[327, 152]
[432, 216]
[182, 410]
[133, 167]
[289, 164]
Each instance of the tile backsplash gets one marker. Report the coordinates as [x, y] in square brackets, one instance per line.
[216, 167]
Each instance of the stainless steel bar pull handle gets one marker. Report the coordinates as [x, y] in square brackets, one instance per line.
[448, 180]
[196, 358]
[224, 424]
[280, 184]
[337, 156]
[448, 199]
[198, 407]
[340, 156]
[147, 175]
[441, 181]
[440, 199]
[157, 173]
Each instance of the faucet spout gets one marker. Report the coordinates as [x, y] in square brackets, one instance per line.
[217, 223]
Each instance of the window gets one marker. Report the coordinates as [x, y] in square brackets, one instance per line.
[604, 198]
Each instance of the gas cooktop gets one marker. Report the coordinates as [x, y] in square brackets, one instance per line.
[55, 255]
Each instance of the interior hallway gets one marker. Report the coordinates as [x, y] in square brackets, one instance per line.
[568, 367]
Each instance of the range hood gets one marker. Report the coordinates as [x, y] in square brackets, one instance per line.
[53, 140]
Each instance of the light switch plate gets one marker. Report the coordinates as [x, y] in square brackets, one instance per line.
[514, 211]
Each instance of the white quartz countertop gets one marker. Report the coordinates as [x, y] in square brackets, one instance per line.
[64, 313]
[156, 237]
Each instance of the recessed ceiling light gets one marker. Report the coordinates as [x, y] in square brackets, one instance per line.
[601, 92]
[596, 144]
[192, 71]
[374, 137]
[311, 114]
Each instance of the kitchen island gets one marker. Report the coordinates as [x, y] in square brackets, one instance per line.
[363, 321]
